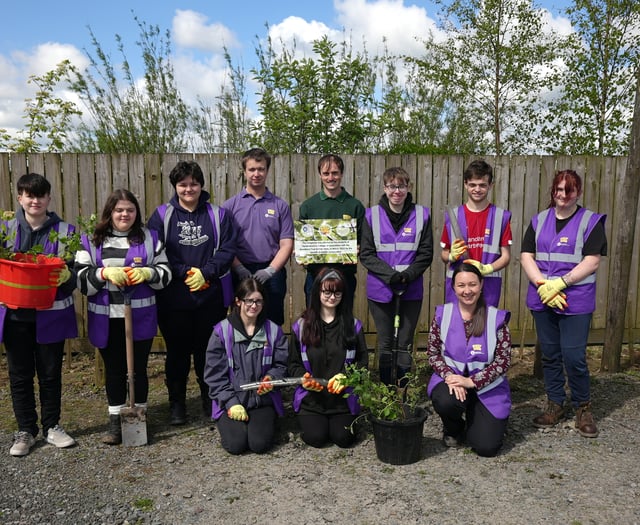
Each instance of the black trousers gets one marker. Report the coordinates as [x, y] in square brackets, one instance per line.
[186, 333]
[26, 358]
[114, 356]
[256, 435]
[484, 432]
[317, 429]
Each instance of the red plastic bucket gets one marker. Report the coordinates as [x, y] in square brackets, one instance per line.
[24, 281]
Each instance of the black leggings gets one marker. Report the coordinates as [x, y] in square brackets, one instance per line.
[114, 356]
[484, 431]
[255, 435]
[317, 430]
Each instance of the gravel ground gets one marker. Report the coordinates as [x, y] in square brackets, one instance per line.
[184, 476]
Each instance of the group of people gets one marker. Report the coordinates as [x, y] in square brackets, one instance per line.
[213, 279]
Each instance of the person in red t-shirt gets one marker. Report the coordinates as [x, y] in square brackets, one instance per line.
[484, 238]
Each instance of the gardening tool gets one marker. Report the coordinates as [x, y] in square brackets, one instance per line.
[397, 294]
[287, 381]
[455, 228]
[133, 419]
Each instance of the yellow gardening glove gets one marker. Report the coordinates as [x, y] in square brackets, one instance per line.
[195, 280]
[335, 385]
[265, 388]
[309, 383]
[116, 275]
[559, 301]
[137, 275]
[59, 276]
[457, 250]
[238, 413]
[485, 269]
[549, 288]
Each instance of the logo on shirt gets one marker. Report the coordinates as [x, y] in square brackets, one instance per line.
[271, 214]
[476, 349]
[191, 234]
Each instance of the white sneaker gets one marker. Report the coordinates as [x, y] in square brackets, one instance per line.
[58, 437]
[22, 443]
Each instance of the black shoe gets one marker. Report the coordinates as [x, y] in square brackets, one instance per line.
[177, 413]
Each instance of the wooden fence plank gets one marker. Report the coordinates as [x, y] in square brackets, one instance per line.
[81, 183]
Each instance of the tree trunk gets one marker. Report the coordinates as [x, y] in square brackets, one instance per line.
[627, 202]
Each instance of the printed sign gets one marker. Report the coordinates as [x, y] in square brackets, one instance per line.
[319, 241]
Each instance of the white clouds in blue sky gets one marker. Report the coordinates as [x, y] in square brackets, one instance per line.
[38, 35]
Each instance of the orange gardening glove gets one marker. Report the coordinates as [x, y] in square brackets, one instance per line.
[309, 383]
[116, 275]
[195, 280]
[59, 276]
[457, 250]
[265, 388]
[336, 384]
[238, 413]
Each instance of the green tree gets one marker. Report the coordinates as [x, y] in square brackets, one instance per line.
[314, 104]
[49, 116]
[593, 114]
[126, 116]
[493, 66]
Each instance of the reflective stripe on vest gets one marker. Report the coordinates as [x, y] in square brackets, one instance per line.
[225, 333]
[61, 304]
[571, 258]
[166, 210]
[350, 353]
[398, 246]
[492, 341]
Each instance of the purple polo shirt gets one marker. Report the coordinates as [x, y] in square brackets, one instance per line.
[260, 224]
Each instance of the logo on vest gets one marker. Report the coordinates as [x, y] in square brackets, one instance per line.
[487, 232]
[563, 241]
[476, 349]
[407, 232]
[191, 234]
[137, 261]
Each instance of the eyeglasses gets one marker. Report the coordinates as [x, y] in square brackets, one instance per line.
[329, 293]
[251, 302]
[392, 187]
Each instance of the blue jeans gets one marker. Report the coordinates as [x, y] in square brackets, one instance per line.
[563, 341]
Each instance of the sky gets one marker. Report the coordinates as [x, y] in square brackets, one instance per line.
[37, 35]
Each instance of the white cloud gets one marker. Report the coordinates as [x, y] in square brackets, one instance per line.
[403, 26]
[192, 30]
[19, 66]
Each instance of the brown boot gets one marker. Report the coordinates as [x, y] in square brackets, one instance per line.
[585, 423]
[113, 436]
[553, 413]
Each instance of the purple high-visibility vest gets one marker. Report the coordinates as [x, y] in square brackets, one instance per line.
[497, 221]
[469, 357]
[143, 298]
[224, 331]
[558, 253]
[166, 210]
[58, 322]
[398, 250]
[350, 357]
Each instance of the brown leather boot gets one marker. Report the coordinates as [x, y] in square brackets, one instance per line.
[113, 436]
[553, 413]
[585, 423]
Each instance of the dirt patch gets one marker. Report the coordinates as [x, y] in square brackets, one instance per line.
[184, 476]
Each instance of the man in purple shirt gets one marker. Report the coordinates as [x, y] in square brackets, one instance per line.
[265, 233]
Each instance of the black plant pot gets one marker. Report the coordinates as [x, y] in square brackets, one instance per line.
[399, 442]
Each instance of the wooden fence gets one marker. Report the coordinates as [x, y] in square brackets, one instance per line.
[81, 183]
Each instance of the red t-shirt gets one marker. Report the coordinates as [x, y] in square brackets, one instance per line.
[476, 223]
